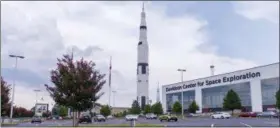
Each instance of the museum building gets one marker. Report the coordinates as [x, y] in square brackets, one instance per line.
[256, 88]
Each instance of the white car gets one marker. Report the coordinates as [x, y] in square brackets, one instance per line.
[221, 115]
[110, 117]
[151, 116]
[131, 117]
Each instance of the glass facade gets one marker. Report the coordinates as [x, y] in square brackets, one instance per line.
[171, 99]
[188, 97]
[212, 98]
[269, 88]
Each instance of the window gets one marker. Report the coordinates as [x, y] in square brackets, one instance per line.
[139, 43]
[213, 97]
[269, 88]
[139, 80]
[143, 69]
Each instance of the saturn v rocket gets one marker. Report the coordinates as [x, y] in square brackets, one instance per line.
[143, 63]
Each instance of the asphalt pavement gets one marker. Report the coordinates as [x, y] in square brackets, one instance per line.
[191, 122]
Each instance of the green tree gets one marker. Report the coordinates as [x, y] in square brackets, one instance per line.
[193, 107]
[278, 99]
[135, 108]
[77, 84]
[147, 109]
[232, 101]
[5, 99]
[63, 111]
[157, 108]
[105, 110]
[177, 107]
[124, 113]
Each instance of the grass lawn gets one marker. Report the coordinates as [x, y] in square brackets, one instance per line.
[8, 124]
[126, 125]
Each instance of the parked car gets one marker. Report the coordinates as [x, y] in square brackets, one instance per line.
[267, 114]
[277, 115]
[99, 118]
[220, 115]
[191, 115]
[86, 119]
[151, 116]
[248, 114]
[131, 117]
[36, 119]
[168, 118]
[110, 117]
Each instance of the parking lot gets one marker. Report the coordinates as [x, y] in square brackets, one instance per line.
[203, 122]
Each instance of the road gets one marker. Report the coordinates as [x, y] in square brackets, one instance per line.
[191, 122]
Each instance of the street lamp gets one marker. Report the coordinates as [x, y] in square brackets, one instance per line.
[114, 98]
[13, 93]
[36, 91]
[182, 79]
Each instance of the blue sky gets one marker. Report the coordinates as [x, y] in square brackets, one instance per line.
[235, 35]
[192, 35]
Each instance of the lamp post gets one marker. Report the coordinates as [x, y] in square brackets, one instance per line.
[182, 79]
[114, 98]
[13, 93]
[36, 91]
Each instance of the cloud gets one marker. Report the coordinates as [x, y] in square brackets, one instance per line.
[43, 31]
[258, 10]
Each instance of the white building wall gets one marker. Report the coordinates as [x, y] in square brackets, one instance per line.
[198, 99]
[267, 71]
[256, 95]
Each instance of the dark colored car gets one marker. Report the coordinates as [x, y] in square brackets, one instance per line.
[36, 119]
[99, 118]
[277, 115]
[248, 114]
[86, 119]
[168, 118]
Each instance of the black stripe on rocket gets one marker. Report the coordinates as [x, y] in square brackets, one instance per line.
[143, 27]
[143, 67]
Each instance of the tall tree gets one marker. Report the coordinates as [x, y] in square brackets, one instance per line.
[147, 109]
[232, 101]
[278, 99]
[5, 99]
[177, 107]
[193, 107]
[105, 110]
[77, 84]
[157, 108]
[135, 108]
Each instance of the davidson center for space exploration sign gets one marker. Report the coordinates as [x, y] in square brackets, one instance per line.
[224, 79]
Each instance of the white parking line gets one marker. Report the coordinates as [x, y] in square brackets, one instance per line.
[246, 125]
[212, 125]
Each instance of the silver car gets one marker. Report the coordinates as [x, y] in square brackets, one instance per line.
[267, 114]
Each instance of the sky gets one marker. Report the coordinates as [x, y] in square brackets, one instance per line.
[181, 34]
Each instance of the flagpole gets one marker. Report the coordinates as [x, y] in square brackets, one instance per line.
[110, 68]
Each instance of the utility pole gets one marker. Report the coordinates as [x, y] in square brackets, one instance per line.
[36, 92]
[110, 69]
[182, 96]
[114, 95]
[14, 83]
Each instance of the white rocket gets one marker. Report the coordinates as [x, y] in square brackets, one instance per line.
[143, 63]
